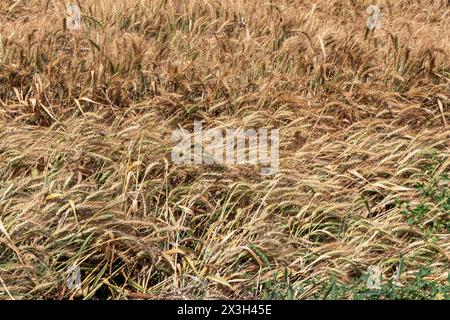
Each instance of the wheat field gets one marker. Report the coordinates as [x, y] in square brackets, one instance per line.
[86, 177]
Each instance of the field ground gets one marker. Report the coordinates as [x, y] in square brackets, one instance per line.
[86, 176]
